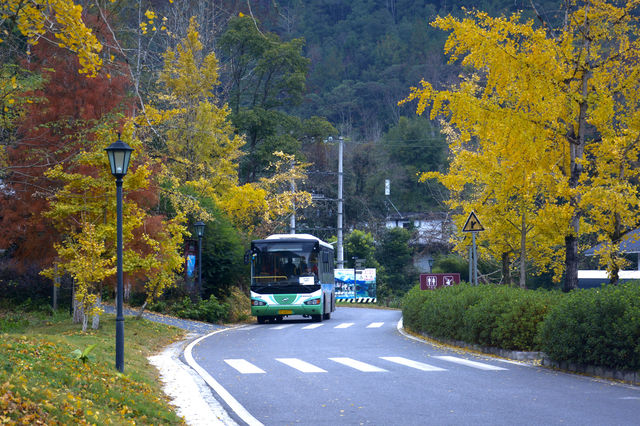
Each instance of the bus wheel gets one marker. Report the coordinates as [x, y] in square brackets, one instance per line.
[316, 318]
[262, 320]
[326, 316]
[279, 318]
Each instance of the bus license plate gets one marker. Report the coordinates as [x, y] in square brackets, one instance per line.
[285, 312]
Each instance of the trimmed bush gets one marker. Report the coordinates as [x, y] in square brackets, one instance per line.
[598, 327]
[411, 305]
[487, 315]
[210, 310]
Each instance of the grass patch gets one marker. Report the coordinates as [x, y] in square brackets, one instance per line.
[43, 381]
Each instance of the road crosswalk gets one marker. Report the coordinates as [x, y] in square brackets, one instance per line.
[312, 326]
[245, 367]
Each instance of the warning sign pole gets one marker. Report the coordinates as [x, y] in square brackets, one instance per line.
[475, 258]
[474, 226]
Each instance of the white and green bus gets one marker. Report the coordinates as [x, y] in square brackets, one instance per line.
[291, 274]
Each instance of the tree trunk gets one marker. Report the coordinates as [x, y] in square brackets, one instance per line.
[127, 291]
[523, 252]
[56, 287]
[85, 321]
[576, 145]
[77, 311]
[141, 311]
[571, 263]
[615, 239]
[506, 268]
[95, 323]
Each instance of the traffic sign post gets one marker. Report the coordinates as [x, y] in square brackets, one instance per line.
[474, 226]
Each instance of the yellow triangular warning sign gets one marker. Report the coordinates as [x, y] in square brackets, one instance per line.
[472, 224]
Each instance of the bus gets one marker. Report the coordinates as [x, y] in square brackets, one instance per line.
[291, 274]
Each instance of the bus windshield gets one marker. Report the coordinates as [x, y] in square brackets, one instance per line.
[281, 266]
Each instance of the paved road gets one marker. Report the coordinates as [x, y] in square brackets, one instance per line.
[358, 369]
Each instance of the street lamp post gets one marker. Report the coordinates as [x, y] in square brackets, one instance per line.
[119, 154]
[340, 176]
[199, 225]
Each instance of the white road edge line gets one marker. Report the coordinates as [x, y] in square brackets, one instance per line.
[469, 363]
[217, 387]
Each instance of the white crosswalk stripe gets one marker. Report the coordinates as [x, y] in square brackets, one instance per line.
[375, 325]
[300, 365]
[344, 325]
[249, 327]
[358, 365]
[243, 366]
[468, 363]
[281, 327]
[410, 363]
[312, 326]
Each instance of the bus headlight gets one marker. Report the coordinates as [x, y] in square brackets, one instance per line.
[312, 302]
[255, 302]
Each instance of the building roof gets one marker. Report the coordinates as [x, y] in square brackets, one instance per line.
[629, 243]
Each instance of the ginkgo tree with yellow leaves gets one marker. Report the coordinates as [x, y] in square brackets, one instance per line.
[543, 131]
[261, 207]
[82, 256]
[199, 148]
[62, 19]
[83, 210]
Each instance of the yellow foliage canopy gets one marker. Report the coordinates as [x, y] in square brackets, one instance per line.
[62, 18]
[517, 128]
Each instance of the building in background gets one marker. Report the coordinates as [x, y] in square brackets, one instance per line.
[431, 233]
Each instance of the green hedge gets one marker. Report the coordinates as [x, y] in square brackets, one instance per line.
[487, 315]
[210, 310]
[598, 327]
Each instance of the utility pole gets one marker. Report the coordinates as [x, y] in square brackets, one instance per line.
[340, 246]
[292, 222]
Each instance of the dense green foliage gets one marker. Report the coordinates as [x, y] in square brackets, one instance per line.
[452, 263]
[361, 245]
[233, 308]
[497, 316]
[599, 327]
[222, 256]
[395, 255]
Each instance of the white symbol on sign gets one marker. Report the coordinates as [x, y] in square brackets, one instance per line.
[432, 281]
[448, 280]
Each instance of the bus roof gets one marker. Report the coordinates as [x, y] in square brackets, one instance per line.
[305, 237]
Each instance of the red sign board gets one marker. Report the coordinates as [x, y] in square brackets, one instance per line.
[433, 281]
